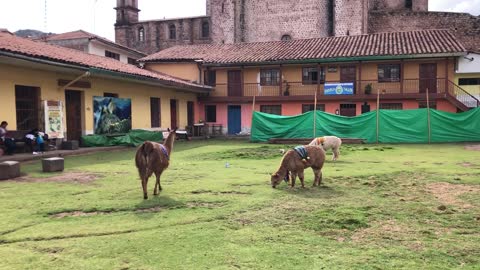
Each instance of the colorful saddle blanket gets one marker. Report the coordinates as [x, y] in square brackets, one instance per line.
[164, 150]
[301, 151]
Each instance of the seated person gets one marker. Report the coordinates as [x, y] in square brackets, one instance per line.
[7, 141]
[36, 140]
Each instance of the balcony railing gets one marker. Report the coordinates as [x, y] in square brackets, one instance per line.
[407, 86]
[467, 99]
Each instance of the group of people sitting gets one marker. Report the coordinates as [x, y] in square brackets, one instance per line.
[35, 139]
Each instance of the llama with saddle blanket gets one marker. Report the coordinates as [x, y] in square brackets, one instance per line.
[329, 142]
[153, 158]
[296, 160]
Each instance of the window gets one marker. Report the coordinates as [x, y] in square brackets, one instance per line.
[408, 4]
[269, 77]
[155, 112]
[27, 101]
[112, 55]
[286, 38]
[132, 61]
[210, 77]
[391, 106]
[469, 81]
[331, 15]
[310, 75]
[310, 107]
[271, 109]
[172, 31]
[210, 113]
[423, 105]
[114, 95]
[141, 34]
[389, 73]
[205, 30]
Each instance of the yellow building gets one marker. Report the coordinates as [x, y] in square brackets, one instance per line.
[287, 77]
[32, 72]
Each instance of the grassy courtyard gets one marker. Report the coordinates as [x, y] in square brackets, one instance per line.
[380, 207]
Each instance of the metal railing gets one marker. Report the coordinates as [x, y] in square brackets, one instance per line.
[463, 96]
[406, 86]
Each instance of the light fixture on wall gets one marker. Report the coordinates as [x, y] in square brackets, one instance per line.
[469, 58]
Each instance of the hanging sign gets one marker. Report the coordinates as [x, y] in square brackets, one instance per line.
[53, 119]
[338, 89]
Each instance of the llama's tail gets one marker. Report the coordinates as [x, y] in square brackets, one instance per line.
[141, 159]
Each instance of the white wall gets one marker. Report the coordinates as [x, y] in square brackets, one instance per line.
[98, 48]
[467, 66]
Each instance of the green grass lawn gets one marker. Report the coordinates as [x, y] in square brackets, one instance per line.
[379, 207]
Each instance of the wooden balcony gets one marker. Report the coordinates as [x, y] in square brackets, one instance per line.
[298, 91]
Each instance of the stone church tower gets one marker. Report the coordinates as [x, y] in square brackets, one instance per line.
[234, 21]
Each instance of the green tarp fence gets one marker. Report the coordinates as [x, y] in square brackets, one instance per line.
[394, 126]
[133, 138]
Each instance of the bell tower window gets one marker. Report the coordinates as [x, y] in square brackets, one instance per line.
[409, 4]
[141, 34]
[172, 30]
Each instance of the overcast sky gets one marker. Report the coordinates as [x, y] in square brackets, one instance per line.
[98, 16]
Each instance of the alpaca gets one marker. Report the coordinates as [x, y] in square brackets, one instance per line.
[295, 164]
[152, 158]
[329, 142]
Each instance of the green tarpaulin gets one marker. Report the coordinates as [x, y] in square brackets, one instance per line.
[395, 126]
[132, 138]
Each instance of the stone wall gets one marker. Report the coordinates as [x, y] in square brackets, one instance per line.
[465, 26]
[351, 17]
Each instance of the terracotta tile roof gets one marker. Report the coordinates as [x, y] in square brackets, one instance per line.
[81, 34]
[39, 50]
[380, 44]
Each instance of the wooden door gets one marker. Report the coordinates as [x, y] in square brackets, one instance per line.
[190, 113]
[348, 109]
[234, 83]
[234, 119]
[155, 112]
[73, 106]
[173, 114]
[428, 78]
[348, 74]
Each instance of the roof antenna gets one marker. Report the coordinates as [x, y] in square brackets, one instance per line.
[45, 18]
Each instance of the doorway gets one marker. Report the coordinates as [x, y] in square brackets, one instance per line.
[348, 109]
[73, 107]
[234, 83]
[173, 114]
[428, 78]
[234, 119]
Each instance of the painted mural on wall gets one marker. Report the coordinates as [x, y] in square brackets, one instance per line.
[112, 115]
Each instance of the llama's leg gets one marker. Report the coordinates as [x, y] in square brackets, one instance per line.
[293, 178]
[158, 187]
[302, 178]
[317, 173]
[336, 153]
[144, 186]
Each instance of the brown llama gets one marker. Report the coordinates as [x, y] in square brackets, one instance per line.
[152, 158]
[292, 162]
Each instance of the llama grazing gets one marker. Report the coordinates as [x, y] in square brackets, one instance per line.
[329, 142]
[294, 163]
[152, 158]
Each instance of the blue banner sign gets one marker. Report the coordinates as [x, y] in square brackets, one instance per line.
[338, 89]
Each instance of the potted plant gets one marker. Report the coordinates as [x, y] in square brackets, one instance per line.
[368, 89]
[287, 88]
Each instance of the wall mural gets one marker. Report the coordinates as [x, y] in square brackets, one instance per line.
[112, 115]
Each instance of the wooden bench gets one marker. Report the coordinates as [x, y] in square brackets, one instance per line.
[19, 137]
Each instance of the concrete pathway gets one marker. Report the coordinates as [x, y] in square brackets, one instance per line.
[24, 157]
